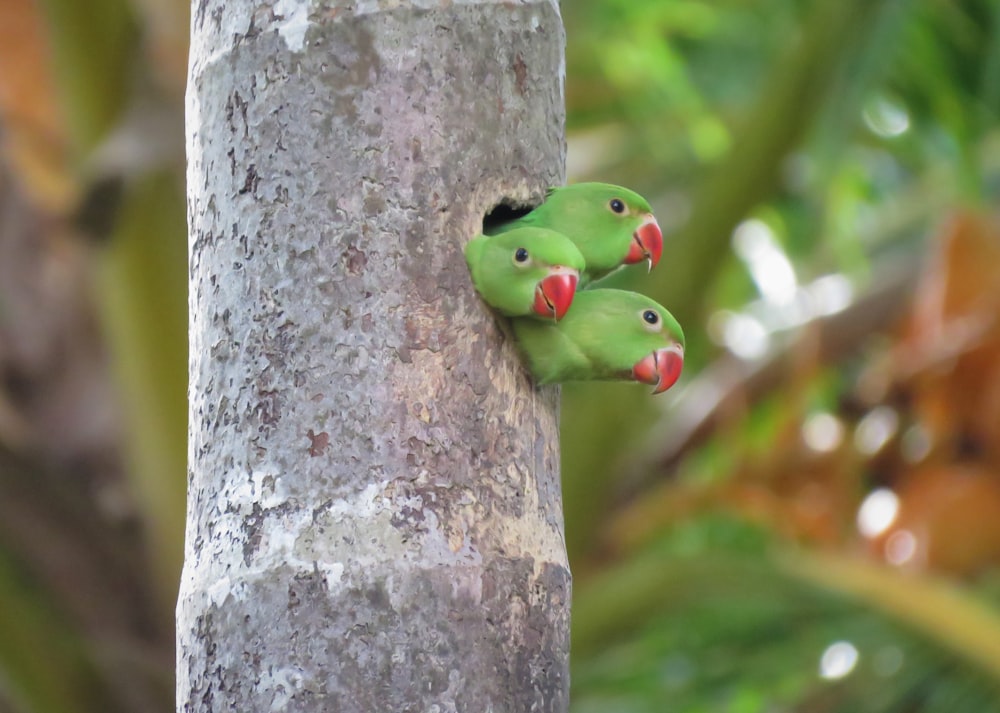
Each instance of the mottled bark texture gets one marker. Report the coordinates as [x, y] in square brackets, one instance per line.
[374, 507]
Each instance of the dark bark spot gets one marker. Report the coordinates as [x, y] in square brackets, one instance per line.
[520, 74]
[420, 332]
[254, 522]
[235, 104]
[268, 409]
[276, 348]
[200, 12]
[374, 204]
[252, 30]
[251, 181]
[378, 597]
[318, 442]
[354, 259]
[306, 587]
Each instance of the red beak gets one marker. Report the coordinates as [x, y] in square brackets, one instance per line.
[647, 244]
[661, 368]
[555, 293]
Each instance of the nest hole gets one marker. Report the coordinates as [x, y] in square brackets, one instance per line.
[503, 212]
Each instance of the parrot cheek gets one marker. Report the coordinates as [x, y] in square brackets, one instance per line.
[554, 294]
[647, 244]
[661, 368]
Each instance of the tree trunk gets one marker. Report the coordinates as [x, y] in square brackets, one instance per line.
[374, 513]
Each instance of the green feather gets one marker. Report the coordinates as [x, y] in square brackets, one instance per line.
[582, 212]
[508, 285]
[602, 337]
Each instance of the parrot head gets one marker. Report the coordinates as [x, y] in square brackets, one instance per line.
[609, 335]
[610, 224]
[527, 272]
[629, 336]
[661, 366]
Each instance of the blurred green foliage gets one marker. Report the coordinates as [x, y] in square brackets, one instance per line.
[852, 130]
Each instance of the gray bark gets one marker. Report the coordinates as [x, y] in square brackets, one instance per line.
[374, 515]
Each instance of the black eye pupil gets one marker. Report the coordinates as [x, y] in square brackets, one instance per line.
[617, 206]
[521, 255]
[650, 316]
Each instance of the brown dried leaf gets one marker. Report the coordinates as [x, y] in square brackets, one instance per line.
[949, 356]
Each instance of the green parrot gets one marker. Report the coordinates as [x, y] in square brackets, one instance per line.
[608, 335]
[527, 272]
[611, 225]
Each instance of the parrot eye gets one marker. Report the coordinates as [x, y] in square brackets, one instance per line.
[650, 317]
[521, 255]
[617, 205]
